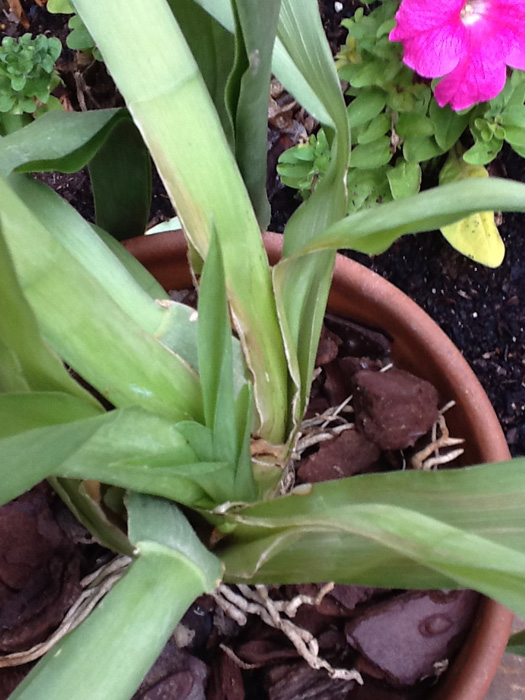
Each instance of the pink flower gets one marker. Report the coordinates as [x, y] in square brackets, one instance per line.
[470, 42]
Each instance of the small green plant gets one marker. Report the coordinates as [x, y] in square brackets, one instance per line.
[78, 39]
[398, 131]
[27, 73]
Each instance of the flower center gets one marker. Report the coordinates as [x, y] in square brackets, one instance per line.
[473, 11]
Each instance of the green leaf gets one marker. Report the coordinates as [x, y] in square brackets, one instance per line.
[448, 124]
[514, 116]
[477, 236]
[168, 100]
[79, 38]
[215, 356]
[367, 188]
[366, 106]
[414, 125]
[483, 152]
[374, 231]
[420, 148]
[26, 362]
[157, 520]
[21, 412]
[57, 141]
[375, 129]
[130, 448]
[404, 179]
[256, 27]
[139, 273]
[301, 287]
[452, 528]
[371, 155]
[104, 324]
[59, 6]
[213, 48]
[120, 175]
[97, 660]
[516, 644]
[515, 135]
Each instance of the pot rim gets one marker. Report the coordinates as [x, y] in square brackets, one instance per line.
[417, 339]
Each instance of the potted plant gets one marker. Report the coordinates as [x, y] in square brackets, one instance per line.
[204, 421]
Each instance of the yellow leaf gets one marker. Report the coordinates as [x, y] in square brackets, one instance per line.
[478, 238]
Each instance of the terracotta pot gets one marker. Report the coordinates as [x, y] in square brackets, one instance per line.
[421, 347]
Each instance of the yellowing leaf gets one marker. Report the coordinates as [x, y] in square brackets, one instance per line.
[477, 236]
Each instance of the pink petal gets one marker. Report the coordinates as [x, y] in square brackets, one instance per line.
[508, 18]
[432, 34]
[473, 81]
[417, 16]
[436, 52]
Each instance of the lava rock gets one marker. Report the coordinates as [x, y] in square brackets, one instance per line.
[347, 454]
[328, 347]
[371, 690]
[175, 674]
[394, 408]
[39, 571]
[300, 682]
[401, 640]
[359, 340]
[226, 680]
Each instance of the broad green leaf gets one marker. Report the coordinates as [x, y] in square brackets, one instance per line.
[213, 48]
[157, 520]
[244, 489]
[515, 135]
[452, 528]
[483, 152]
[374, 231]
[221, 10]
[366, 106]
[404, 179]
[63, 141]
[98, 660]
[414, 124]
[139, 273]
[26, 361]
[165, 101]
[93, 314]
[514, 116]
[284, 66]
[371, 155]
[249, 85]
[420, 148]
[367, 188]
[120, 175]
[376, 128]
[215, 356]
[129, 447]
[301, 287]
[448, 125]
[477, 236]
[516, 644]
[26, 411]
